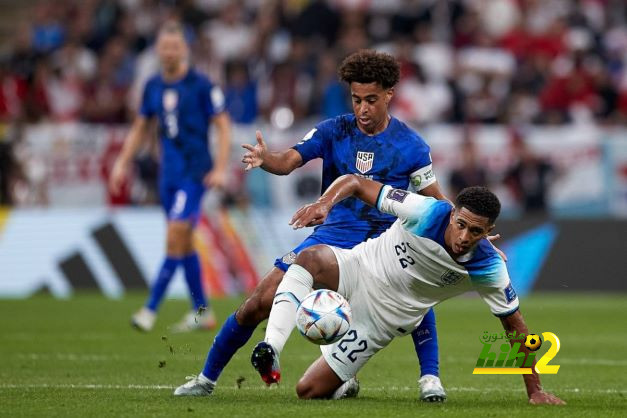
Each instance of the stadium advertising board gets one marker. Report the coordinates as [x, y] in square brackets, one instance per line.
[63, 250]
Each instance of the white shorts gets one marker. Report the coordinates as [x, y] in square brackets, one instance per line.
[369, 332]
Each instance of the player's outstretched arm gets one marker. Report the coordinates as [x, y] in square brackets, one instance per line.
[275, 162]
[537, 395]
[121, 167]
[343, 187]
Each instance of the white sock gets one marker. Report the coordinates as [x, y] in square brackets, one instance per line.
[296, 284]
[205, 379]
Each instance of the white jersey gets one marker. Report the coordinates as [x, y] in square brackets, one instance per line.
[391, 281]
[411, 261]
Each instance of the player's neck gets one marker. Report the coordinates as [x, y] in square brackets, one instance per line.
[377, 129]
[176, 74]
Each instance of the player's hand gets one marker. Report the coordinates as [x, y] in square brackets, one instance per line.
[216, 178]
[256, 154]
[545, 398]
[494, 238]
[310, 215]
[118, 176]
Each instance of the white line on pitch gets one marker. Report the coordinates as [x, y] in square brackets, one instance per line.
[107, 357]
[256, 388]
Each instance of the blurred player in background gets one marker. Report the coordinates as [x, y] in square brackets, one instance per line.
[370, 142]
[184, 102]
[434, 251]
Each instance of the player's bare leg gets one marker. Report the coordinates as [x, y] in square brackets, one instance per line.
[257, 306]
[317, 262]
[318, 382]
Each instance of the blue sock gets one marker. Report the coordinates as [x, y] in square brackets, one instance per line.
[161, 284]
[232, 337]
[426, 343]
[191, 264]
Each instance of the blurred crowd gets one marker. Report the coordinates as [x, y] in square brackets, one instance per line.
[483, 61]
[510, 62]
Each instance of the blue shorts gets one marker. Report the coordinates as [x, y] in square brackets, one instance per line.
[284, 262]
[181, 200]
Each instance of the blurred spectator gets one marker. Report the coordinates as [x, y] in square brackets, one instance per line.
[240, 93]
[529, 178]
[470, 172]
[36, 106]
[75, 60]
[419, 100]
[48, 31]
[230, 35]
[10, 169]
[105, 98]
[64, 92]
[331, 92]
[497, 61]
[23, 58]
[13, 91]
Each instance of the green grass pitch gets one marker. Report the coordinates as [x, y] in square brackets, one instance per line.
[81, 358]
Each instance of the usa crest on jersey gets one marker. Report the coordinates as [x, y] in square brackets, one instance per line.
[170, 100]
[364, 161]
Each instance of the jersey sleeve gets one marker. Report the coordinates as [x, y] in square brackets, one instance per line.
[403, 204]
[492, 282]
[213, 99]
[314, 142]
[423, 174]
[146, 109]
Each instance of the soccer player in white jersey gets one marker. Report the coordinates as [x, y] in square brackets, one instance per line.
[434, 251]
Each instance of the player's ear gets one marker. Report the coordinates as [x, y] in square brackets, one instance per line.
[389, 94]
[490, 228]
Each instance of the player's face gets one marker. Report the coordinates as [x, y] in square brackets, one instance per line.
[172, 51]
[465, 230]
[370, 105]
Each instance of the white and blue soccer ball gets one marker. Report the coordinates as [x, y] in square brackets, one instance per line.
[323, 317]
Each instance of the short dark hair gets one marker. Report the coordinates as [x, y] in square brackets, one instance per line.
[172, 27]
[480, 201]
[369, 66]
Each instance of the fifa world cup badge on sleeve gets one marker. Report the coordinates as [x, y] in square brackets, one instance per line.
[510, 293]
[397, 195]
[289, 258]
[506, 358]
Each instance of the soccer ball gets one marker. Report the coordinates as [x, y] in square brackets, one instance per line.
[533, 342]
[323, 317]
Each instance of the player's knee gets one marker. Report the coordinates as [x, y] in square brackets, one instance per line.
[311, 259]
[251, 312]
[305, 389]
[255, 309]
[257, 306]
[178, 241]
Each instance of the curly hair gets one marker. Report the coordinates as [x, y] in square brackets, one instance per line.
[480, 201]
[369, 66]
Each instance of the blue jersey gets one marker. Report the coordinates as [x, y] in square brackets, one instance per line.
[394, 157]
[183, 109]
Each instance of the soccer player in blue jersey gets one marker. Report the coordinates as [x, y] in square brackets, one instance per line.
[184, 103]
[434, 251]
[370, 143]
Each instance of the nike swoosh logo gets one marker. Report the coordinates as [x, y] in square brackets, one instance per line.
[424, 341]
[337, 358]
[279, 301]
